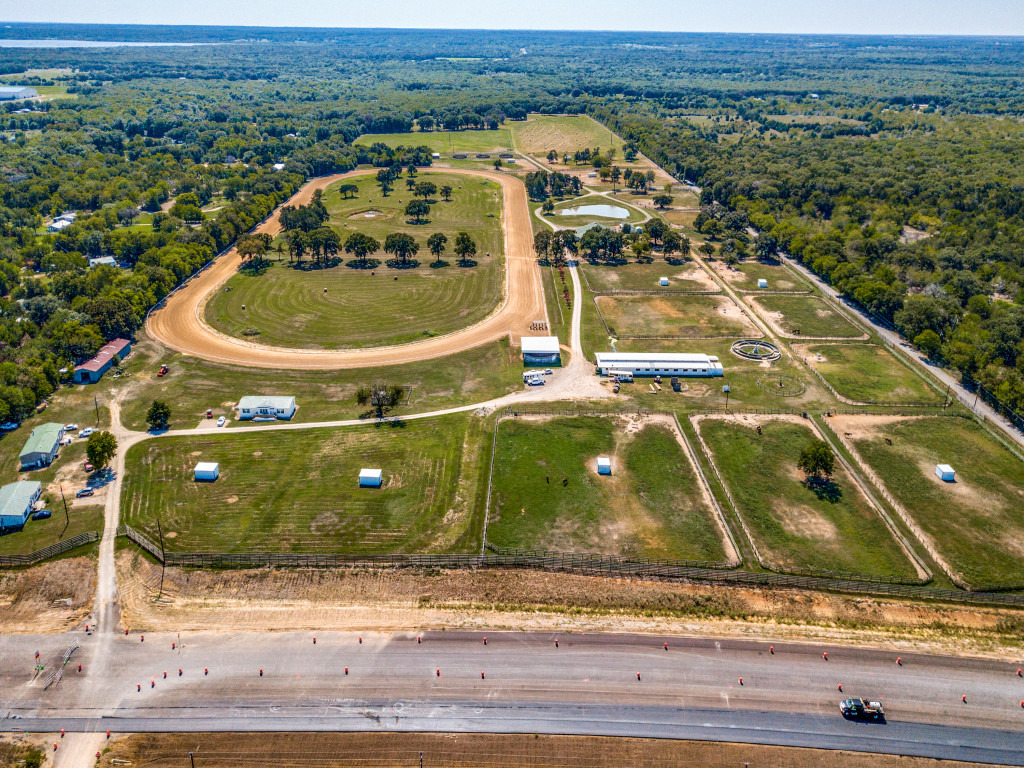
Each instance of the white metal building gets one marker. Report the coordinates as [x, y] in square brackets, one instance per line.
[541, 350]
[658, 364]
[14, 92]
[207, 470]
[265, 407]
[604, 465]
[945, 472]
[371, 478]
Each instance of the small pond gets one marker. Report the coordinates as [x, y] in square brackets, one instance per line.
[606, 211]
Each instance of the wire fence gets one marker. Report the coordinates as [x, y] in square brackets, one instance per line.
[610, 331]
[13, 561]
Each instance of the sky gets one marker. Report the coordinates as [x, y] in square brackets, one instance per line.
[916, 17]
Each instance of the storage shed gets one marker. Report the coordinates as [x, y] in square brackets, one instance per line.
[604, 465]
[662, 281]
[945, 472]
[207, 470]
[540, 350]
[762, 283]
[370, 478]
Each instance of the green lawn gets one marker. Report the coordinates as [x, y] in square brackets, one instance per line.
[444, 142]
[650, 506]
[808, 316]
[677, 316]
[42, 533]
[744, 276]
[193, 385]
[289, 306]
[868, 373]
[633, 276]
[297, 491]
[977, 522]
[792, 526]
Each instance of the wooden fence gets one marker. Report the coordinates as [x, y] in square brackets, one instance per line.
[12, 561]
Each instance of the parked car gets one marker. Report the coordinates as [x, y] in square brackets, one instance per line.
[859, 709]
[548, 372]
[209, 413]
[88, 467]
[86, 432]
[70, 427]
[42, 514]
[536, 382]
[10, 425]
[220, 421]
[84, 492]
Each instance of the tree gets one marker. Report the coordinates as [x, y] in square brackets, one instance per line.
[401, 246]
[418, 209]
[641, 248]
[348, 190]
[672, 242]
[497, 163]
[380, 396]
[928, 341]
[411, 170]
[361, 246]
[127, 215]
[446, 193]
[663, 200]
[817, 461]
[436, 244]
[655, 229]
[385, 179]
[425, 189]
[542, 243]
[766, 247]
[465, 248]
[100, 448]
[707, 250]
[410, 184]
[159, 415]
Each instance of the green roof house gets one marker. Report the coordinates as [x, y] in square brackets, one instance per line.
[16, 502]
[41, 447]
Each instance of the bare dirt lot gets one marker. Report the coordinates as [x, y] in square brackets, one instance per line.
[51, 597]
[397, 600]
[228, 750]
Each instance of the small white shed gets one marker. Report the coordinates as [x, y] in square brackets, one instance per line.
[435, 155]
[207, 470]
[945, 472]
[762, 283]
[370, 478]
[604, 465]
[662, 281]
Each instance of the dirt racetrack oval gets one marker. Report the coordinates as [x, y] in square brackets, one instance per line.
[178, 323]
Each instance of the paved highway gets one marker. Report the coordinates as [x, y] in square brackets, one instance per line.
[523, 683]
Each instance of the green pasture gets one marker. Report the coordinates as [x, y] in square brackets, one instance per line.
[868, 373]
[42, 533]
[675, 316]
[297, 491]
[300, 304]
[744, 276]
[539, 134]
[808, 316]
[633, 276]
[444, 142]
[193, 385]
[977, 522]
[650, 506]
[795, 526]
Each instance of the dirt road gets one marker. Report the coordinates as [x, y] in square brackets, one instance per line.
[179, 324]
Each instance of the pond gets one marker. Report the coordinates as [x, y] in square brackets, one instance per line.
[607, 211]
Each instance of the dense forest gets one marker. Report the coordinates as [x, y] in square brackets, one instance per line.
[890, 166]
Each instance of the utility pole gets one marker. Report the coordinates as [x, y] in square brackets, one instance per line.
[67, 518]
[163, 566]
[190, 757]
[96, 401]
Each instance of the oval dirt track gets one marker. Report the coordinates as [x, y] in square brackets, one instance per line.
[179, 323]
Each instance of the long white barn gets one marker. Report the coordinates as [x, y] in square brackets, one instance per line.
[658, 364]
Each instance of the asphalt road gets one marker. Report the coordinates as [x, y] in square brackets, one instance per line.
[587, 685]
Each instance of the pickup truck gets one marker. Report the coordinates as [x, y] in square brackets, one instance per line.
[858, 709]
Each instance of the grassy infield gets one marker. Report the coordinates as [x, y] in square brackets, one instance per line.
[434, 498]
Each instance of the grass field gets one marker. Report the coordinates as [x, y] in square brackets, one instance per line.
[808, 316]
[427, 502]
[795, 527]
[651, 505]
[193, 385]
[634, 276]
[563, 133]
[977, 522]
[289, 306]
[676, 316]
[443, 141]
[868, 373]
[42, 533]
[744, 276]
